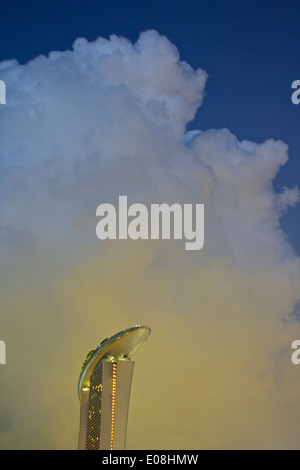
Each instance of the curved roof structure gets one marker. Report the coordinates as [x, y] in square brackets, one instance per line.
[119, 346]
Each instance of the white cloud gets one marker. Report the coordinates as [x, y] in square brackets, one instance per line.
[108, 118]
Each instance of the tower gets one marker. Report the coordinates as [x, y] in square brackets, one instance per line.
[104, 390]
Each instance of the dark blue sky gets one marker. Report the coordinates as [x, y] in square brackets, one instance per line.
[250, 50]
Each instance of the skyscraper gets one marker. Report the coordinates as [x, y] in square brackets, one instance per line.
[104, 390]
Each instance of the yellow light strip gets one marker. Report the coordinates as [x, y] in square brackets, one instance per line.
[113, 404]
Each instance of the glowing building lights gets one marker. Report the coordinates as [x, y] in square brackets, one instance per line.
[104, 390]
[113, 403]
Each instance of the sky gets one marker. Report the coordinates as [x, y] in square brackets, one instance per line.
[163, 102]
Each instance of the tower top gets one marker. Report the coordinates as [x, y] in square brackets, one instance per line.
[119, 346]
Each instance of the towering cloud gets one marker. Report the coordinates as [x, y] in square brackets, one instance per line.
[109, 118]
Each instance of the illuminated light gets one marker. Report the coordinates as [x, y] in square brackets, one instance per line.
[86, 388]
[113, 403]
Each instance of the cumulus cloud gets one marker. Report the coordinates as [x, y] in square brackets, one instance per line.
[80, 128]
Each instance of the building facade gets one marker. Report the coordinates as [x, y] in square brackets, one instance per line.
[104, 391]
